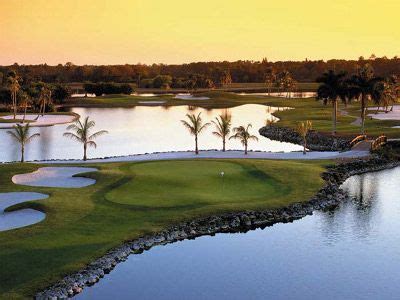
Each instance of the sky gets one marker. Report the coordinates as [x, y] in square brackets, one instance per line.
[183, 31]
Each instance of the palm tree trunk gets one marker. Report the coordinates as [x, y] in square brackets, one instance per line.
[196, 147]
[223, 144]
[44, 107]
[22, 153]
[84, 151]
[335, 109]
[23, 119]
[245, 149]
[14, 100]
[363, 104]
[305, 146]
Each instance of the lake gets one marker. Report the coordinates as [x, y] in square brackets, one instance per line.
[352, 252]
[143, 129]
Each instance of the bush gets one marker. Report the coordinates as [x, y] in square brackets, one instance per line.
[107, 88]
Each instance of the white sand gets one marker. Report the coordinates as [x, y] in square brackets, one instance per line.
[55, 177]
[46, 120]
[22, 217]
[151, 102]
[220, 154]
[189, 97]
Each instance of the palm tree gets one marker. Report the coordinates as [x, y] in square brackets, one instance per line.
[303, 128]
[243, 134]
[223, 127]
[21, 135]
[25, 102]
[44, 99]
[270, 79]
[364, 84]
[83, 135]
[330, 90]
[14, 88]
[195, 127]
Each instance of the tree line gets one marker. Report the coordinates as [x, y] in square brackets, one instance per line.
[19, 96]
[243, 71]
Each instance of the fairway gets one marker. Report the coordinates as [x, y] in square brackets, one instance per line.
[130, 200]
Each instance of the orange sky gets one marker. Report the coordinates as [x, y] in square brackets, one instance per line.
[177, 31]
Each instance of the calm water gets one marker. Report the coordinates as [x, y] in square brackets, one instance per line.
[350, 253]
[142, 129]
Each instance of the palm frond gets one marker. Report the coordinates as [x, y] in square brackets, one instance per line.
[73, 136]
[91, 144]
[97, 134]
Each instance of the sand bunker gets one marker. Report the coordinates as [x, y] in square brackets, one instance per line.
[19, 218]
[55, 177]
[46, 120]
[151, 102]
[189, 97]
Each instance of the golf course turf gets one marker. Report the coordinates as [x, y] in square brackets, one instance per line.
[130, 200]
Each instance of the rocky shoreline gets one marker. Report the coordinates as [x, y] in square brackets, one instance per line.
[329, 196]
[315, 140]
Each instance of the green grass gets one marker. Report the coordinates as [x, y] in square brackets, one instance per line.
[133, 199]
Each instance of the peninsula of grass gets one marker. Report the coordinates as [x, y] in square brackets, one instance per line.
[130, 200]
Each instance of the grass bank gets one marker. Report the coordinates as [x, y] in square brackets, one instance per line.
[133, 199]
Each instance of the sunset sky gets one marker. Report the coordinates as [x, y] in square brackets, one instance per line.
[159, 31]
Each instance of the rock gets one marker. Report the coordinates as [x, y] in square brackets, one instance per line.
[315, 141]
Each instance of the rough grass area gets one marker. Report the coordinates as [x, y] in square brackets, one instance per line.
[130, 200]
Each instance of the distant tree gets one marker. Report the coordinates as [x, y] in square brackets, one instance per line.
[303, 128]
[190, 84]
[21, 135]
[14, 87]
[223, 125]
[25, 101]
[81, 132]
[61, 93]
[226, 79]
[126, 89]
[44, 99]
[243, 134]
[270, 79]
[364, 83]
[162, 81]
[385, 93]
[195, 126]
[331, 88]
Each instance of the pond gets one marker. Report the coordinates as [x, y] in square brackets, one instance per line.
[352, 252]
[142, 129]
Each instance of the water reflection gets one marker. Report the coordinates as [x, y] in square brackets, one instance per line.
[352, 252]
[143, 129]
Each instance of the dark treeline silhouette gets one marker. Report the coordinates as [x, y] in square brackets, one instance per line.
[239, 71]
